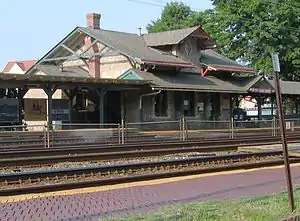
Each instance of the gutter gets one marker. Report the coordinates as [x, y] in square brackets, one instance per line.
[141, 101]
[170, 64]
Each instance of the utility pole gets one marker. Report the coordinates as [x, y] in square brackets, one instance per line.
[276, 67]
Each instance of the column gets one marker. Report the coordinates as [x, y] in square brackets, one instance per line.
[49, 90]
[272, 106]
[206, 106]
[101, 95]
[122, 105]
[231, 106]
[21, 94]
[70, 94]
[259, 104]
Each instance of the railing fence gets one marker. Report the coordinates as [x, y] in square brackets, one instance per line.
[183, 129]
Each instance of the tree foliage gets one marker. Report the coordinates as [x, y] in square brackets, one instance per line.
[176, 15]
[246, 30]
[253, 30]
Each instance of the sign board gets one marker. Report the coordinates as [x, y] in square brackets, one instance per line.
[275, 61]
[35, 109]
[288, 125]
[261, 90]
[9, 110]
[200, 106]
[60, 110]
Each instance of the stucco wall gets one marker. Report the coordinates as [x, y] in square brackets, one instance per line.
[113, 66]
[110, 66]
[15, 69]
[39, 93]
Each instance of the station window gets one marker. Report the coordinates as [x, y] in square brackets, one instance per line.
[161, 104]
[189, 103]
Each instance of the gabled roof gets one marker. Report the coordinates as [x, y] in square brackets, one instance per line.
[288, 87]
[191, 81]
[24, 65]
[133, 46]
[171, 37]
[216, 61]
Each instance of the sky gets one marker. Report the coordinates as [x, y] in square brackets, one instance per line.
[30, 28]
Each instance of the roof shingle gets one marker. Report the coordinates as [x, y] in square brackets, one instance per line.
[193, 82]
[24, 65]
[288, 87]
[168, 37]
[219, 62]
[132, 45]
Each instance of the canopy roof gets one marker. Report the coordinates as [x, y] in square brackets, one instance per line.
[39, 81]
[188, 81]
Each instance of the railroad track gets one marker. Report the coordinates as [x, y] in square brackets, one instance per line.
[51, 156]
[131, 154]
[61, 179]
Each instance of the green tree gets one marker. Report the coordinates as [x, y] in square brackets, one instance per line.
[252, 30]
[177, 15]
[246, 30]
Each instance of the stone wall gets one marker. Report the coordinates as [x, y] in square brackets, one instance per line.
[204, 103]
[225, 107]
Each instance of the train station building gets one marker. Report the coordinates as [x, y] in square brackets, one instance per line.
[140, 77]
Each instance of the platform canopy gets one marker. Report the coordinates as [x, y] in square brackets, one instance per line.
[67, 82]
[192, 81]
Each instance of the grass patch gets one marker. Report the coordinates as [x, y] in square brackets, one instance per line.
[268, 208]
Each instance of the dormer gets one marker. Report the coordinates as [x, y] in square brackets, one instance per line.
[180, 42]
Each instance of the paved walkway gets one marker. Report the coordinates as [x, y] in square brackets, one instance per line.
[140, 198]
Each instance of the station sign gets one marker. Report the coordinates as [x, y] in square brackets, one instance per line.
[60, 110]
[9, 110]
[35, 109]
[260, 90]
[275, 62]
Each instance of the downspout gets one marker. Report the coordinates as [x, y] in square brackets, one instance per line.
[141, 102]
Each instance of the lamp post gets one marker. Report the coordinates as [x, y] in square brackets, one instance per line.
[276, 67]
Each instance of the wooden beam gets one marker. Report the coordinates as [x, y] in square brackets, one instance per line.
[89, 47]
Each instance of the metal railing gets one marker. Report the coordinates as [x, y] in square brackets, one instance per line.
[124, 132]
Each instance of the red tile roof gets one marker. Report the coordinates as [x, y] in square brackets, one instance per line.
[24, 65]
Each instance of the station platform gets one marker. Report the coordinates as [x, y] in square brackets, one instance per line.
[118, 200]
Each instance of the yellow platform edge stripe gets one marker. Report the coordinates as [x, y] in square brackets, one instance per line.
[18, 198]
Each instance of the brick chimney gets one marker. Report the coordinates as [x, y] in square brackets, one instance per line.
[93, 20]
[93, 62]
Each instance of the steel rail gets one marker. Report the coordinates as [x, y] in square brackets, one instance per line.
[132, 166]
[9, 162]
[125, 179]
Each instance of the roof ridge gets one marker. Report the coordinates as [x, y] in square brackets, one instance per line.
[108, 30]
[181, 29]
